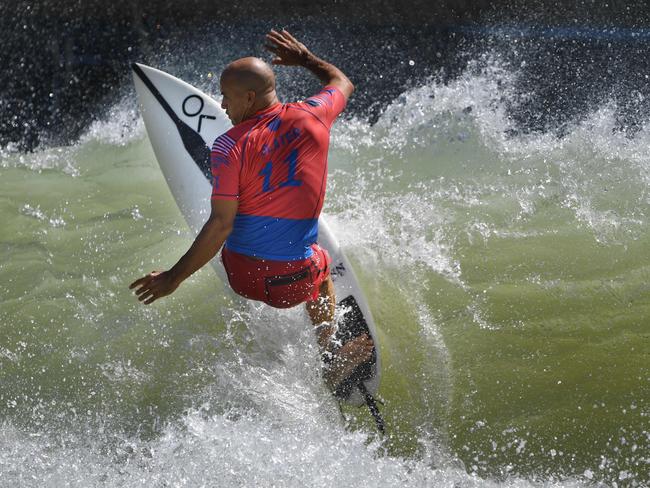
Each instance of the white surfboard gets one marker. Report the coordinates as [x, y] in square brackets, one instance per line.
[182, 123]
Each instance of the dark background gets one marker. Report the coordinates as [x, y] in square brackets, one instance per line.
[65, 62]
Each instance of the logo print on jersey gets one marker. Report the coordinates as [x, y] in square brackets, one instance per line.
[323, 98]
[274, 124]
[220, 149]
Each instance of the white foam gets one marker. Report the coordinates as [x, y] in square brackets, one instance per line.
[54, 158]
[37, 213]
[397, 229]
[596, 170]
[121, 125]
[228, 450]
[423, 114]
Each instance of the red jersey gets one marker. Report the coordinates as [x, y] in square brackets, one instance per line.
[275, 164]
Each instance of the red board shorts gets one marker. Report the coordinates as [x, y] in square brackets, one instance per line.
[281, 284]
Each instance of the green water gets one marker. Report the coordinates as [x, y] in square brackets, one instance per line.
[509, 279]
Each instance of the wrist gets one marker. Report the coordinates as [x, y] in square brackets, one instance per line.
[308, 59]
[175, 276]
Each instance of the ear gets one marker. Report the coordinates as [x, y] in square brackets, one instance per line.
[251, 97]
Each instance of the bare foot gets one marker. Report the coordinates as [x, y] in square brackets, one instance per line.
[346, 359]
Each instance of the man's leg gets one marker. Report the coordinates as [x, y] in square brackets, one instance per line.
[348, 356]
[321, 310]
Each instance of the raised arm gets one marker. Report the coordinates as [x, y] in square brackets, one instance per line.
[290, 52]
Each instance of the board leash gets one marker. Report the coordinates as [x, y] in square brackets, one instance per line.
[374, 409]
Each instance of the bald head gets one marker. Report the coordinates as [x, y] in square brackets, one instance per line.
[247, 86]
[250, 74]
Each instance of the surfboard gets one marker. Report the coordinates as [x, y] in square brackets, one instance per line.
[182, 123]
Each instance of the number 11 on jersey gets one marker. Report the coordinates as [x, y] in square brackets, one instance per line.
[292, 162]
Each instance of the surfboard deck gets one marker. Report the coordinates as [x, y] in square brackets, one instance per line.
[182, 123]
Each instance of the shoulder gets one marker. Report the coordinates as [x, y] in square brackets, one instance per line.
[325, 105]
[325, 97]
[224, 147]
[231, 136]
[225, 143]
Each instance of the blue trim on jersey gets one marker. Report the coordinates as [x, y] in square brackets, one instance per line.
[272, 237]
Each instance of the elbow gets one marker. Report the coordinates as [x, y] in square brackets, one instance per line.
[345, 85]
[225, 228]
[349, 90]
[219, 227]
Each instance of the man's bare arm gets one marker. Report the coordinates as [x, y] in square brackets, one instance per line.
[206, 245]
[290, 52]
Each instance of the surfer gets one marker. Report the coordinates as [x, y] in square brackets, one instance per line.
[269, 176]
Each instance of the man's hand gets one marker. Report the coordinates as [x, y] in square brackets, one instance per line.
[212, 236]
[290, 52]
[287, 49]
[154, 286]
